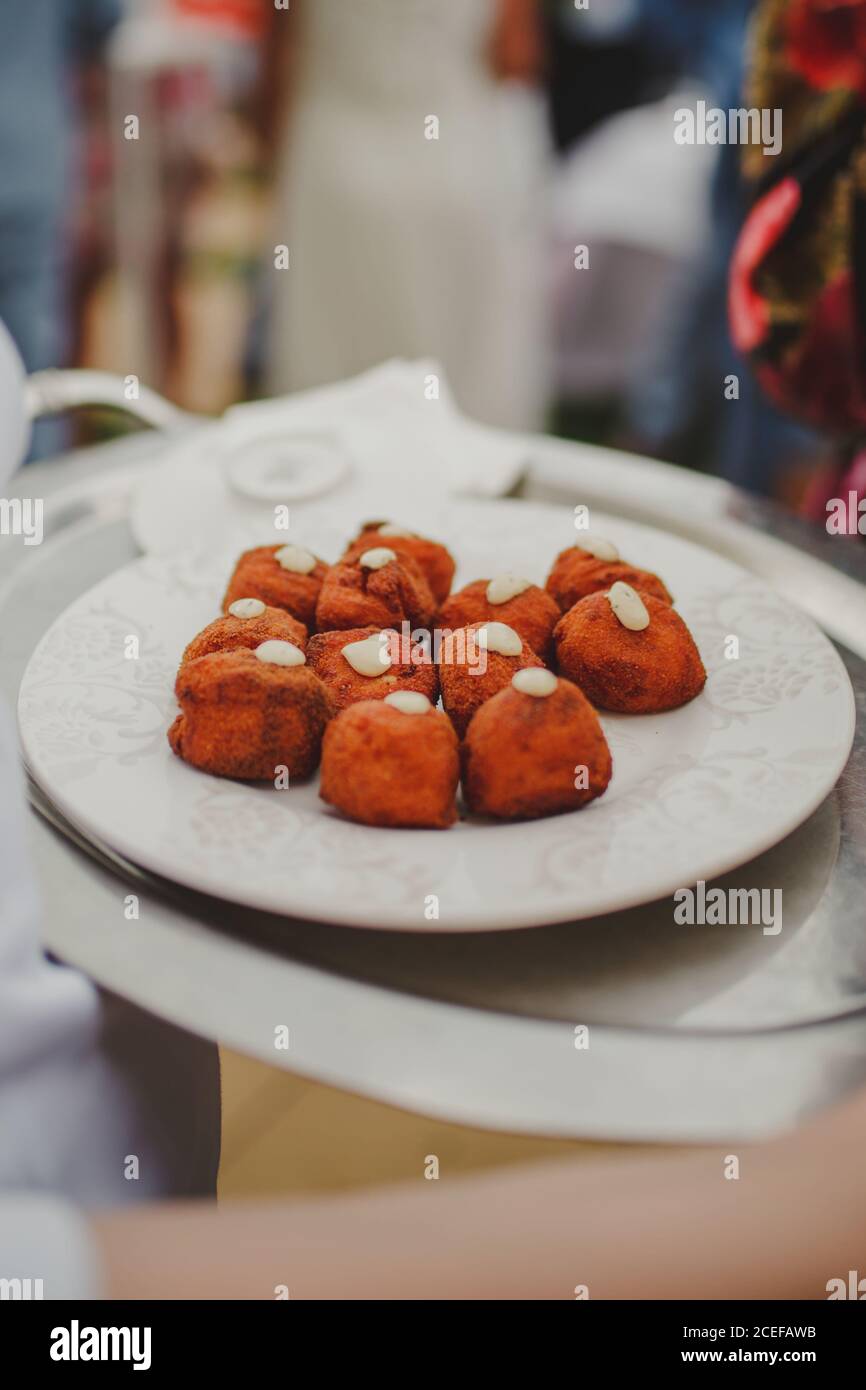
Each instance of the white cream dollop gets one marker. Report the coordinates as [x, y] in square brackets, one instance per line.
[628, 606]
[377, 558]
[534, 680]
[505, 587]
[389, 529]
[370, 656]
[499, 637]
[276, 653]
[597, 545]
[295, 558]
[247, 608]
[408, 702]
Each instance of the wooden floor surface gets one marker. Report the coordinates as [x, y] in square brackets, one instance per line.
[283, 1134]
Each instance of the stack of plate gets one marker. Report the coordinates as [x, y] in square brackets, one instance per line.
[702, 792]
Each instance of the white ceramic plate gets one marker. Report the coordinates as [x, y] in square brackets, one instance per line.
[695, 792]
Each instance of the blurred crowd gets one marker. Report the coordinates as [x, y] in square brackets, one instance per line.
[239, 197]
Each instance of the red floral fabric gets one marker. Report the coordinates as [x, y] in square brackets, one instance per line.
[825, 42]
[797, 283]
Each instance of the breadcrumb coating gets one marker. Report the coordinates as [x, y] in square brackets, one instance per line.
[646, 672]
[533, 613]
[465, 687]
[576, 573]
[354, 596]
[383, 767]
[258, 574]
[347, 686]
[433, 559]
[242, 717]
[229, 634]
[522, 755]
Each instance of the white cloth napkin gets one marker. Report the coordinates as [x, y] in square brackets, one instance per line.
[397, 420]
[364, 447]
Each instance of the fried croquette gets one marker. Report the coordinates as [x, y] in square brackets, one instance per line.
[376, 590]
[392, 762]
[362, 663]
[471, 671]
[577, 572]
[282, 576]
[644, 667]
[433, 559]
[243, 715]
[248, 623]
[529, 610]
[534, 751]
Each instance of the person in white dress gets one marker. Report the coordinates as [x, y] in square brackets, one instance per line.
[411, 159]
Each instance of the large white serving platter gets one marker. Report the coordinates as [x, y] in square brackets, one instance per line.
[695, 792]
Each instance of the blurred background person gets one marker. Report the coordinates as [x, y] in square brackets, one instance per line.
[431, 166]
[643, 346]
[40, 45]
[410, 163]
[678, 408]
[796, 288]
